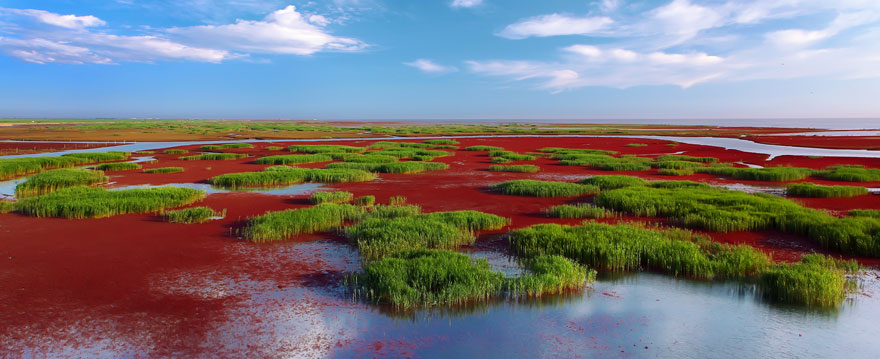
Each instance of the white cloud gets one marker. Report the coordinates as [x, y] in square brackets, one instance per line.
[70, 39]
[428, 66]
[281, 32]
[555, 25]
[466, 3]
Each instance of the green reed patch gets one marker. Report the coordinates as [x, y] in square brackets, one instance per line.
[722, 210]
[292, 159]
[6, 206]
[369, 158]
[365, 201]
[544, 188]
[85, 202]
[819, 191]
[213, 157]
[483, 148]
[395, 167]
[676, 165]
[193, 215]
[816, 281]
[515, 168]
[605, 162]
[117, 166]
[676, 172]
[13, 167]
[274, 148]
[444, 147]
[397, 200]
[99, 156]
[227, 146]
[560, 151]
[549, 274]
[394, 211]
[442, 142]
[331, 197]
[613, 181]
[53, 180]
[773, 174]
[282, 225]
[175, 152]
[325, 149]
[636, 145]
[164, 170]
[872, 213]
[283, 175]
[686, 158]
[849, 173]
[389, 144]
[580, 210]
[412, 153]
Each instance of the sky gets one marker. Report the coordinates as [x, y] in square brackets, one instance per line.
[440, 59]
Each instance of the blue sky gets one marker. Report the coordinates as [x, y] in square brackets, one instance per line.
[440, 59]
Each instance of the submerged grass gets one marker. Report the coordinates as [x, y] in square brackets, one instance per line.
[282, 225]
[515, 168]
[192, 215]
[84, 202]
[543, 188]
[819, 191]
[164, 170]
[53, 180]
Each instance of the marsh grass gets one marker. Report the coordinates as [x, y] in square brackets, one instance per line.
[227, 146]
[282, 225]
[871, 213]
[395, 167]
[686, 158]
[403, 153]
[117, 166]
[213, 157]
[331, 197]
[164, 170]
[819, 191]
[675, 172]
[283, 175]
[816, 281]
[515, 168]
[676, 165]
[543, 188]
[483, 148]
[292, 159]
[369, 158]
[390, 144]
[13, 167]
[53, 180]
[192, 215]
[604, 162]
[6, 206]
[442, 142]
[580, 210]
[560, 151]
[90, 157]
[849, 173]
[613, 181]
[325, 149]
[397, 200]
[636, 145]
[365, 201]
[770, 174]
[722, 210]
[85, 202]
[175, 152]
[274, 148]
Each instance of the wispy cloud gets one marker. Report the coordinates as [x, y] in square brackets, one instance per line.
[687, 42]
[466, 3]
[44, 37]
[430, 67]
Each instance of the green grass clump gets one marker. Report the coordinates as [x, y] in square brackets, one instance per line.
[631, 247]
[544, 188]
[282, 225]
[274, 148]
[559, 151]
[515, 168]
[145, 152]
[758, 174]
[517, 157]
[397, 200]
[483, 148]
[192, 215]
[427, 278]
[665, 158]
[117, 166]
[550, 274]
[849, 173]
[164, 170]
[227, 146]
[54, 180]
[442, 142]
[811, 283]
[676, 165]
[604, 162]
[678, 184]
[580, 210]
[175, 152]
[6, 206]
[818, 191]
[365, 201]
[872, 213]
[613, 181]
[13, 167]
[331, 197]
[292, 159]
[324, 149]
[636, 145]
[675, 172]
[85, 202]
[410, 153]
[444, 147]
[283, 175]
[722, 210]
[213, 157]
[389, 144]
[370, 158]
[377, 236]
[500, 160]
[99, 156]
[394, 211]
[395, 167]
